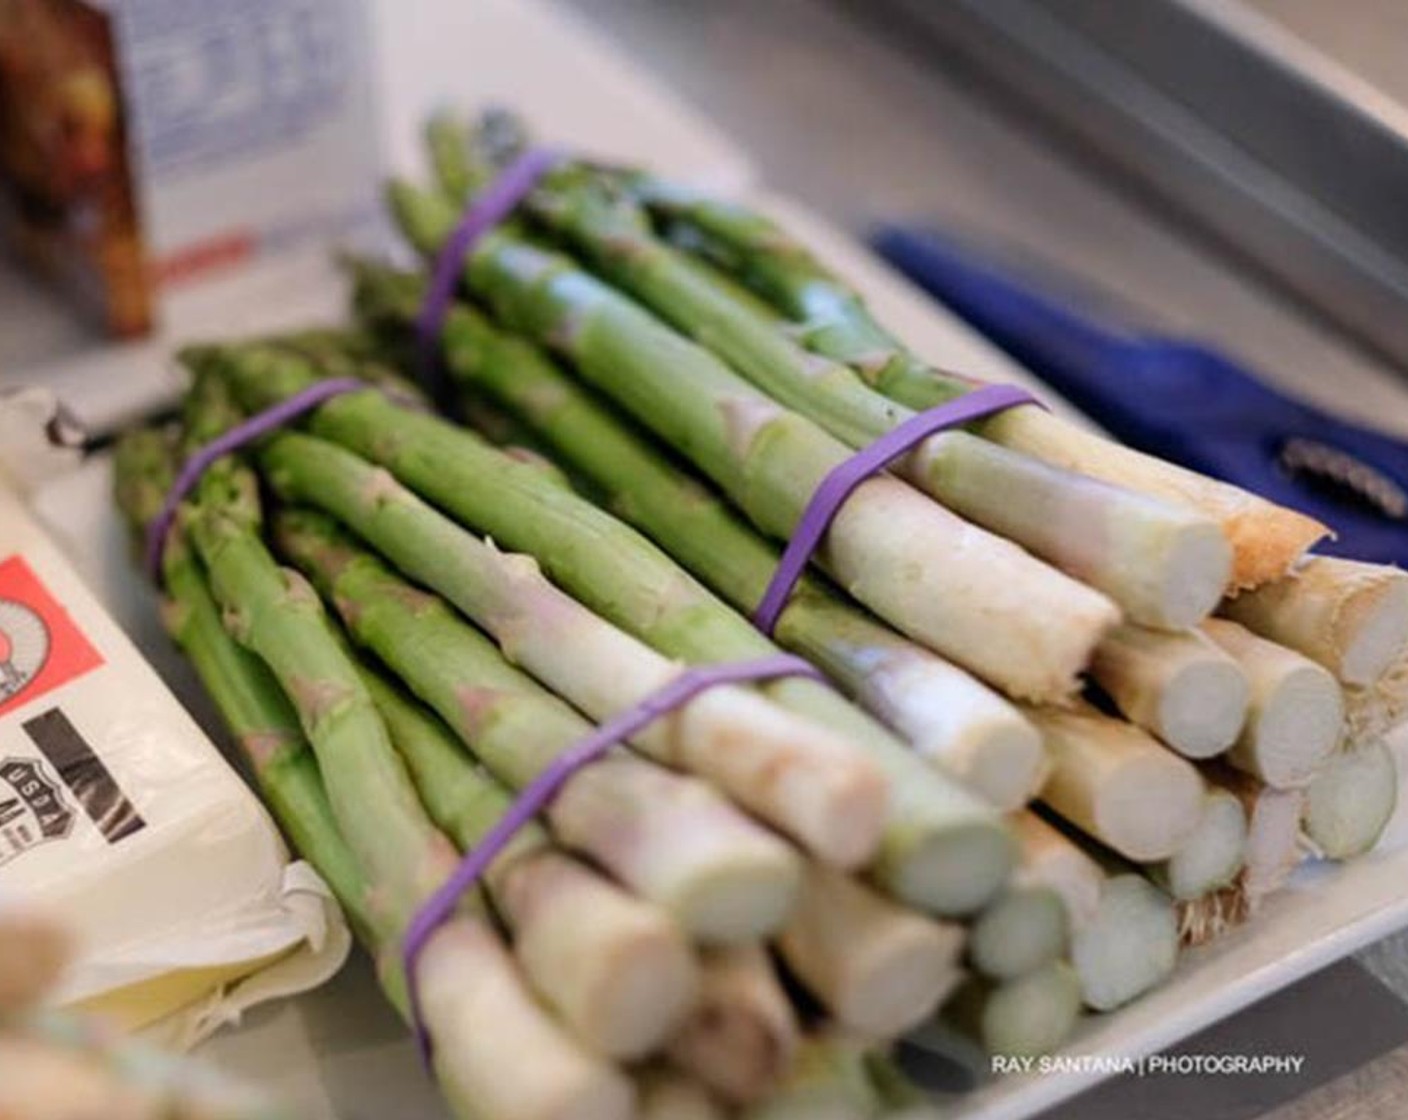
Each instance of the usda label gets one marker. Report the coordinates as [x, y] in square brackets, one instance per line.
[32, 808]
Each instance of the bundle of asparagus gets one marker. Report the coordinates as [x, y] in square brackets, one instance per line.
[763, 884]
[368, 770]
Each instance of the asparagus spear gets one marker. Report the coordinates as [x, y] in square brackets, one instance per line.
[831, 319]
[1182, 688]
[1129, 947]
[1119, 785]
[1124, 945]
[1023, 931]
[1273, 831]
[615, 968]
[1272, 849]
[869, 960]
[794, 774]
[669, 838]
[947, 714]
[464, 970]
[741, 1038]
[1209, 859]
[943, 848]
[1349, 802]
[260, 719]
[1296, 713]
[980, 606]
[1164, 565]
[1350, 617]
[1025, 1016]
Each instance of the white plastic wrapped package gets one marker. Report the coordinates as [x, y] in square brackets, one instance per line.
[119, 816]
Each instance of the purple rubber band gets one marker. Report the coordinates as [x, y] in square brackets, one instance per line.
[246, 432]
[490, 207]
[842, 480]
[541, 790]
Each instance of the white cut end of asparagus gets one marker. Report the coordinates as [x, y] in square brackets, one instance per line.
[1033, 1014]
[1203, 708]
[961, 875]
[1212, 856]
[957, 721]
[1349, 803]
[1006, 762]
[1022, 931]
[1118, 784]
[1051, 860]
[1182, 687]
[879, 967]
[1130, 947]
[1196, 571]
[1380, 638]
[1296, 715]
[1349, 616]
[1146, 808]
[1273, 830]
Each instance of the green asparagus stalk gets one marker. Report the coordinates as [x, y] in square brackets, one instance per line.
[988, 605]
[831, 319]
[946, 714]
[943, 848]
[796, 775]
[876, 964]
[464, 953]
[258, 715]
[1164, 565]
[274, 613]
[1212, 856]
[616, 969]
[667, 837]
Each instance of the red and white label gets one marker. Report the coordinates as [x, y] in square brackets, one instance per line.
[41, 648]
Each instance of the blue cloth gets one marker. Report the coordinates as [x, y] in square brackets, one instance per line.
[1177, 399]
